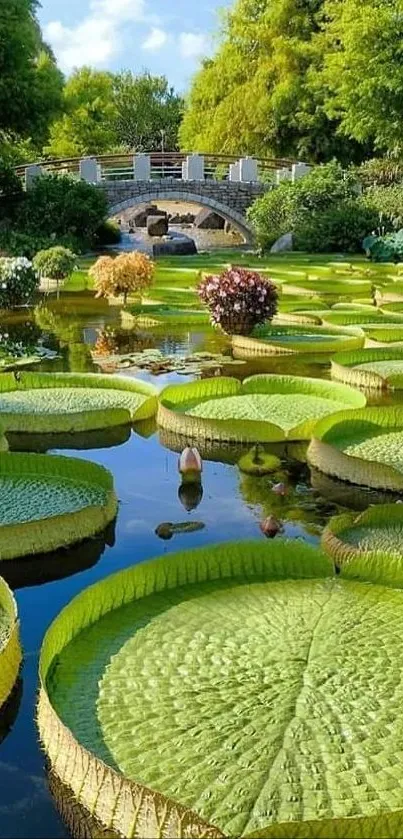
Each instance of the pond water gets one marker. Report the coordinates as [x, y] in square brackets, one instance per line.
[144, 465]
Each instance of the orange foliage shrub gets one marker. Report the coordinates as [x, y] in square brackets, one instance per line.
[125, 274]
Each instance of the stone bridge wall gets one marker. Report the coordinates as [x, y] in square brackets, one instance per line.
[228, 198]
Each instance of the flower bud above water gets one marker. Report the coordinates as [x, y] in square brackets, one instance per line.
[271, 526]
[190, 465]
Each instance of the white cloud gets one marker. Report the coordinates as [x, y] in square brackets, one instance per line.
[155, 39]
[193, 44]
[97, 38]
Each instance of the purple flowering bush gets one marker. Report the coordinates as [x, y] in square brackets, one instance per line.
[238, 300]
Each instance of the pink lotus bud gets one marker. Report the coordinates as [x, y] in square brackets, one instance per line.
[271, 526]
[190, 464]
[280, 489]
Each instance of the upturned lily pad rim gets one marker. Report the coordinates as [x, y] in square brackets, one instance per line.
[125, 806]
[88, 420]
[48, 533]
[266, 340]
[10, 649]
[383, 567]
[325, 454]
[344, 367]
[174, 397]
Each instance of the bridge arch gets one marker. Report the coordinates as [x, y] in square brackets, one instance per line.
[235, 218]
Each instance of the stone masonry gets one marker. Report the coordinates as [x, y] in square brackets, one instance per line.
[230, 199]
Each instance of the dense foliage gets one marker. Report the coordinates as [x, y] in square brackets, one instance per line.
[387, 248]
[238, 299]
[56, 263]
[128, 273]
[56, 209]
[319, 209]
[30, 83]
[18, 281]
[106, 111]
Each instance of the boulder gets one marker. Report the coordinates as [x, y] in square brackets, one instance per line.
[284, 243]
[157, 225]
[209, 220]
[139, 218]
[175, 247]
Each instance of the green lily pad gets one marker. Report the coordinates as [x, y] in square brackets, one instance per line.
[262, 408]
[363, 447]
[66, 402]
[252, 662]
[374, 535]
[380, 368]
[291, 339]
[10, 650]
[49, 502]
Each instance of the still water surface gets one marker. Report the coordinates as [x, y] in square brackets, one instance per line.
[147, 484]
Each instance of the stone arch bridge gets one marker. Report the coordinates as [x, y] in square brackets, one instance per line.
[223, 183]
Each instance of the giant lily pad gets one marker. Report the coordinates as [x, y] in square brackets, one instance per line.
[376, 534]
[372, 368]
[272, 340]
[383, 334]
[48, 502]
[240, 690]
[262, 408]
[10, 650]
[63, 402]
[364, 447]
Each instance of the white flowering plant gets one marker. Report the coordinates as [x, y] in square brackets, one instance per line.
[238, 300]
[18, 281]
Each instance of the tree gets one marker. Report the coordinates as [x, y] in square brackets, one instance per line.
[146, 106]
[87, 125]
[257, 95]
[30, 83]
[363, 70]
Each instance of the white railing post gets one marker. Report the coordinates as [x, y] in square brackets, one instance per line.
[235, 171]
[299, 170]
[283, 175]
[32, 172]
[89, 170]
[248, 170]
[142, 167]
[193, 170]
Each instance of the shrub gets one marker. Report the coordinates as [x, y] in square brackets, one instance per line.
[341, 227]
[289, 206]
[125, 274]
[380, 171]
[385, 248]
[11, 192]
[18, 281]
[57, 263]
[59, 206]
[238, 300]
[108, 233]
[388, 202]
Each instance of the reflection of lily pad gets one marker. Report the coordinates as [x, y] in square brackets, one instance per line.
[283, 638]
[364, 447]
[262, 408]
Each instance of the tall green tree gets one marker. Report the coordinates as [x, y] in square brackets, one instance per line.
[146, 106]
[30, 83]
[257, 95]
[88, 123]
[362, 70]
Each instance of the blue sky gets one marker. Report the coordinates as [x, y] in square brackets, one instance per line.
[164, 36]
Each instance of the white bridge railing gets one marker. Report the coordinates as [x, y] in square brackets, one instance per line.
[173, 165]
